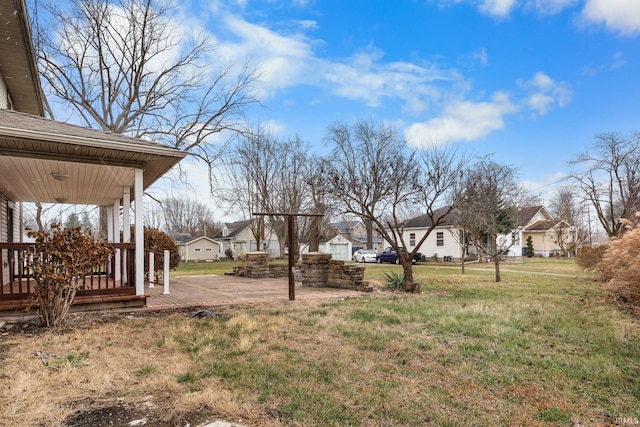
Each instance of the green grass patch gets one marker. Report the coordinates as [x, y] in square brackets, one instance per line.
[542, 347]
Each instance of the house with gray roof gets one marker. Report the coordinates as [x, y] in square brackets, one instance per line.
[47, 161]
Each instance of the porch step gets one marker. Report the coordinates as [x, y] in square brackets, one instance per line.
[80, 303]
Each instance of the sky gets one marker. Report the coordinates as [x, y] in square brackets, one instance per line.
[530, 81]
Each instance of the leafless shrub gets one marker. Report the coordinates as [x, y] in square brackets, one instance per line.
[588, 257]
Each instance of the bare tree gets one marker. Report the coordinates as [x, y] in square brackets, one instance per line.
[126, 66]
[564, 206]
[264, 174]
[365, 163]
[188, 216]
[492, 196]
[377, 179]
[610, 179]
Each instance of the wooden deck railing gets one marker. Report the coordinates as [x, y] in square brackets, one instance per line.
[116, 276]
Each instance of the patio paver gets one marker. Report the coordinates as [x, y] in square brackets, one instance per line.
[215, 290]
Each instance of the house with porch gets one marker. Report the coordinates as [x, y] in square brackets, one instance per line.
[550, 236]
[48, 161]
[239, 238]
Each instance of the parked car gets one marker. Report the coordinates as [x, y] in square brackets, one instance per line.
[389, 255]
[364, 255]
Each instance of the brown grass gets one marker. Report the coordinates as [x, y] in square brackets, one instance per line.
[532, 350]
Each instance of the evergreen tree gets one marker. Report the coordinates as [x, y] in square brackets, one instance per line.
[530, 252]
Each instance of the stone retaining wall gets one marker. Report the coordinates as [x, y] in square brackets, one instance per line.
[256, 265]
[319, 270]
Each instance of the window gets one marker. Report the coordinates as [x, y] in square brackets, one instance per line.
[208, 250]
[412, 239]
[440, 238]
[515, 238]
[197, 250]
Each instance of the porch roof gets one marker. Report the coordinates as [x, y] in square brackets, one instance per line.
[43, 160]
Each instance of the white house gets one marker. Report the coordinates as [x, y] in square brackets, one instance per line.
[239, 238]
[444, 240]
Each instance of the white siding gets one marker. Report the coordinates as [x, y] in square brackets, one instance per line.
[450, 246]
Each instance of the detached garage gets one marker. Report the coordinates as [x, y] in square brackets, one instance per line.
[199, 249]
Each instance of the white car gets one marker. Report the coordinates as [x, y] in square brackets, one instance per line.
[364, 255]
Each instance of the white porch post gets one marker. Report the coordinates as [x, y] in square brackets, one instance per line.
[115, 220]
[126, 227]
[110, 224]
[139, 231]
[126, 215]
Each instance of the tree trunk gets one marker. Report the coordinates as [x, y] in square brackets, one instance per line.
[369, 227]
[314, 235]
[496, 259]
[408, 285]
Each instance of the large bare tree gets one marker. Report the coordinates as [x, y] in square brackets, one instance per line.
[608, 176]
[365, 162]
[268, 175]
[378, 179]
[130, 67]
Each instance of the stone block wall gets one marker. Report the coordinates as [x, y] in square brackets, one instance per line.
[256, 265]
[319, 270]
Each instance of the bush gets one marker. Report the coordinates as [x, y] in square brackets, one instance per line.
[589, 257]
[394, 281]
[620, 266]
[62, 257]
[159, 241]
[530, 250]
[229, 253]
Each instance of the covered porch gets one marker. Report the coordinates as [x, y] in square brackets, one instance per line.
[47, 161]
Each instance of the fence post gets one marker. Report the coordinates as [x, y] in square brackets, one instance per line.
[166, 273]
[152, 270]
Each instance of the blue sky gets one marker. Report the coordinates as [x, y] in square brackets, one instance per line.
[531, 81]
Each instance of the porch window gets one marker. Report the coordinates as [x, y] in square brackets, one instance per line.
[412, 239]
[440, 238]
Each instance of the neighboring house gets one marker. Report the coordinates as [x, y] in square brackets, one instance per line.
[337, 245]
[444, 240]
[239, 238]
[47, 161]
[356, 232]
[550, 236]
[199, 249]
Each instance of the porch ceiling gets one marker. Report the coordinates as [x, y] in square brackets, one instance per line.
[95, 165]
[32, 180]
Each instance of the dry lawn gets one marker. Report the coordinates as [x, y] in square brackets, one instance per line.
[532, 350]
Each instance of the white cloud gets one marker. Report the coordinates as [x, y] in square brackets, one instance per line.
[622, 16]
[545, 93]
[462, 121]
[366, 78]
[550, 7]
[481, 56]
[281, 61]
[497, 8]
